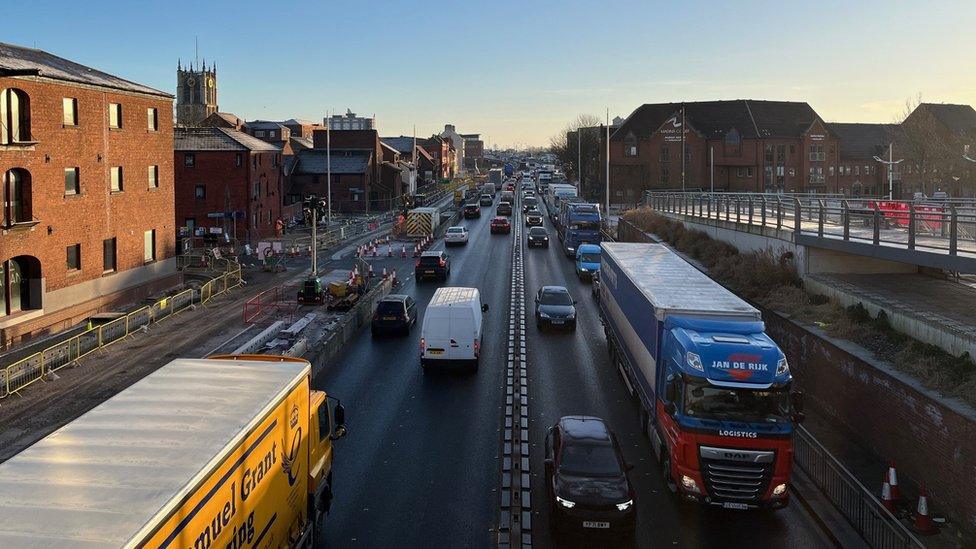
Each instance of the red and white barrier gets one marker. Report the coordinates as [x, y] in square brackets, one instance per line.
[923, 522]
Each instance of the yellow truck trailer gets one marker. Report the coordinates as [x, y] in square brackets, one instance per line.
[228, 452]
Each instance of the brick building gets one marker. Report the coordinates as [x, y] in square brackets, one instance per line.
[758, 146]
[443, 155]
[934, 140]
[857, 173]
[226, 181]
[474, 152]
[223, 120]
[87, 168]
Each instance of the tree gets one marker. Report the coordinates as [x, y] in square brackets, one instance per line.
[932, 152]
[566, 148]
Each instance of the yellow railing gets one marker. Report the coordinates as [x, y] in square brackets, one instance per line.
[22, 373]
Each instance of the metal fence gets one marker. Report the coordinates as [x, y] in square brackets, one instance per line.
[878, 526]
[941, 226]
[22, 373]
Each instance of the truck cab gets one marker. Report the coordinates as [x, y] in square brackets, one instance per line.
[725, 413]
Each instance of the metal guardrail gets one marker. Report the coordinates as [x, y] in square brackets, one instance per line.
[26, 371]
[941, 226]
[878, 526]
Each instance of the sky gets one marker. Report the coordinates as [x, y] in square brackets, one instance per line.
[518, 72]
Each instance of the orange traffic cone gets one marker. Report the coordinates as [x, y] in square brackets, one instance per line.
[384, 273]
[389, 251]
[403, 251]
[886, 497]
[393, 280]
[893, 482]
[923, 522]
[374, 250]
[371, 275]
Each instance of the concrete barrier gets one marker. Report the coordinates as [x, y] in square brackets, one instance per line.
[328, 349]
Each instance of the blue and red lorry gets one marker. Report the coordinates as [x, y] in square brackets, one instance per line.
[715, 391]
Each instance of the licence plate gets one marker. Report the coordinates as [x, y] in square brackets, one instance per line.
[595, 524]
[429, 272]
[435, 351]
[733, 505]
[557, 321]
[389, 318]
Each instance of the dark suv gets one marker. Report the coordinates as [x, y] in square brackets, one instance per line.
[436, 265]
[394, 313]
[504, 208]
[586, 480]
[472, 210]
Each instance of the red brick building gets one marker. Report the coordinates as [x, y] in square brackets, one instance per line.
[857, 173]
[442, 153]
[757, 145]
[227, 182]
[86, 159]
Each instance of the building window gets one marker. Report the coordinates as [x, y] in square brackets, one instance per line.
[259, 133]
[739, 172]
[817, 153]
[117, 179]
[272, 133]
[792, 149]
[769, 154]
[830, 171]
[857, 170]
[152, 119]
[665, 153]
[630, 150]
[201, 192]
[748, 172]
[256, 190]
[70, 117]
[780, 155]
[14, 116]
[665, 174]
[254, 161]
[149, 246]
[20, 280]
[71, 181]
[74, 257]
[189, 160]
[16, 197]
[238, 160]
[108, 255]
[115, 115]
[153, 177]
[274, 160]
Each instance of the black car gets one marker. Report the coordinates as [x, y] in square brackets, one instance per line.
[435, 265]
[554, 306]
[538, 236]
[586, 480]
[533, 218]
[394, 313]
[486, 200]
[472, 210]
[529, 202]
[504, 208]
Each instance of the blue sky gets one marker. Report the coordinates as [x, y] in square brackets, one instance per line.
[518, 72]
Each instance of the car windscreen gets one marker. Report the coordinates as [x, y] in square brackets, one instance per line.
[530, 200]
[455, 230]
[589, 460]
[705, 401]
[556, 298]
[537, 231]
[590, 258]
[430, 260]
[389, 308]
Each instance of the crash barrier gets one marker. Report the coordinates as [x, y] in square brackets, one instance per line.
[877, 525]
[327, 350]
[22, 373]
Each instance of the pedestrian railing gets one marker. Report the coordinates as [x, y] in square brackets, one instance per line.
[35, 367]
[940, 226]
[877, 525]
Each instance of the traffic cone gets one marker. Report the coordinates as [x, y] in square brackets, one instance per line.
[389, 251]
[893, 482]
[371, 275]
[374, 250]
[886, 497]
[355, 272]
[923, 522]
[393, 280]
[403, 251]
[384, 273]
[416, 251]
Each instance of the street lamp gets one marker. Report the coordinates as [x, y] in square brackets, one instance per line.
[890, 163]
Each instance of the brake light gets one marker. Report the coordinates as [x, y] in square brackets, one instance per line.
[442, 262]
[417, 264]
[423, 345]
[477, 347]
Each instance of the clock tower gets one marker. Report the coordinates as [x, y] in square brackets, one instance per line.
[196, 93]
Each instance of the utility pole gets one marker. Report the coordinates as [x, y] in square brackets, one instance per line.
[579, 157]
[608, 162]
[890, 163]
[711, 162]
[682, 147]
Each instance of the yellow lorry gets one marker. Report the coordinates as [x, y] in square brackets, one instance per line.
[228, 452]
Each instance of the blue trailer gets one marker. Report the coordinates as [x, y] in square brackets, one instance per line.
[714, 389]
[578, 223]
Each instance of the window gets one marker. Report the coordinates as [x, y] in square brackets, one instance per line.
[149, 245]
[114, 115]
[201, 192]
[272, 133]
[238, 160]
[259, 133]
[153, 177]
[256, 190]
[665, 174]
[665, 153]
[189, 160]
[14, 116]
[254, 161]
[117, 183]
[108, 255]
[739, 172]
[16, 197]
[792, 149]
[857, 170]
[748, 172]
[152, 119]
[20, 280]
[780, 155]
[769, 154]
[817, 153]
[274, 160]
[74, 257]
[830, 171]
[71, 181]
[70, 117]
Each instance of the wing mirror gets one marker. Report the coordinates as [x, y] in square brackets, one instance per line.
[339, 420]
[484, 307]
[548, 463]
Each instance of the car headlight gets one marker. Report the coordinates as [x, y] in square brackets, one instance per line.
[543, 314]
[782, 366]
[565, 502]
[694, 361]
[625, 505]
[690, 484]
[779, 490]
[584, 269]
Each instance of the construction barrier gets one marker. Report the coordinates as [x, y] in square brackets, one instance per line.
[27, 370]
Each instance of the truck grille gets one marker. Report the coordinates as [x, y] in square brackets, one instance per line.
[735, 475]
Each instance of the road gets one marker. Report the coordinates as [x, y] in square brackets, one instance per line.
[420, 467]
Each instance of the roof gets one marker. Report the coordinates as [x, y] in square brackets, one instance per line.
[316, 161]
[101, 479]
[384, 145]
[394, 297]
[18, 60]
[472, 136]
[403, 144]
[301, 143]
[584, 427]
[862, 140]
[230, 118]
[298, 122]
[450, 295]
[217, 139]
[751, 118]
[263, 125]
[958, 118]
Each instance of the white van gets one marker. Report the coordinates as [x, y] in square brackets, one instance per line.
[451, 333]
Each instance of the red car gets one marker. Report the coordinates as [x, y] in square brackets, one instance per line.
[501, 225]
[510, 187]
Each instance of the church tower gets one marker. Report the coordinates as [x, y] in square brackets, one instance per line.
[196, 93]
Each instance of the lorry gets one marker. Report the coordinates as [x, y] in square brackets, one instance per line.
[496, 177]
[545, 176]
[228, 451]
[714, 390]
[556, 193]
[509, 169]
[577, 223]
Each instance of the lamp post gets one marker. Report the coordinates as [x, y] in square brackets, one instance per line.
[890, 163]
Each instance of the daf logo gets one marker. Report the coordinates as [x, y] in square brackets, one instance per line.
[736, 456]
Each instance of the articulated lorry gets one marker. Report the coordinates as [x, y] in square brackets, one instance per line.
[714, 389]
[554, 194]
[230, 451]
[577, 223]
[496, 177]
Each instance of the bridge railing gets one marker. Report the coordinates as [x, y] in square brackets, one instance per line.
[942, 226]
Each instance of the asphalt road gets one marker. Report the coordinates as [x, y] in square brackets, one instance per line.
[420, 465]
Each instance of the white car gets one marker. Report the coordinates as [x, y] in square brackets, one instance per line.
[456, 235]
